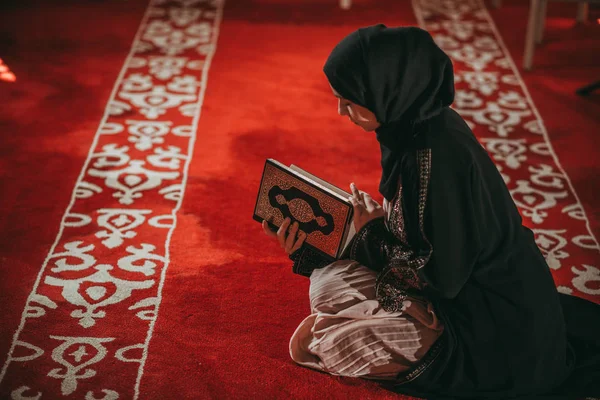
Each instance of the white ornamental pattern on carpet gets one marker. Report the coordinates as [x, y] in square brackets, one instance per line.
[92, 310]
[494, 101]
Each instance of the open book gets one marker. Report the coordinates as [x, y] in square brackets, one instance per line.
[321, 209]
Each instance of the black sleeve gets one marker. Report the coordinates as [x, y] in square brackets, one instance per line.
[306, 260]
[377, 248]
[374, 246]
[454, 213]
[455, 219]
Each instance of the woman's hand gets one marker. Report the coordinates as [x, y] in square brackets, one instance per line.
[365, 208]
[289, 238]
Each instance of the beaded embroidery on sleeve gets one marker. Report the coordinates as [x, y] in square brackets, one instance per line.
[399, 277]
[307, 260]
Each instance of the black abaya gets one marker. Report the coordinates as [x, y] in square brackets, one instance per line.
[508, 332]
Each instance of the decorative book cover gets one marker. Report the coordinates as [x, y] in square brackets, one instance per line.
[325, 216]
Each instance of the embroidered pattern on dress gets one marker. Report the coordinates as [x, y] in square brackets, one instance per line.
[396, 220]
[400, 277]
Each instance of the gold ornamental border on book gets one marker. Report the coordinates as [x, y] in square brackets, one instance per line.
[301, 211]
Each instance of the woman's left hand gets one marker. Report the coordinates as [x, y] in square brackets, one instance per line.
[365, 208]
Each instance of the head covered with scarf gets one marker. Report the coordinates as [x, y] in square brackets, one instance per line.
[401, 76]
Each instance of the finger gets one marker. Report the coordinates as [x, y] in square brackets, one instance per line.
[267, 229]
[375, 202]
[281, 233]
[299, 242]
[358, 208]
[289, 242]
[355, 191]
[369, 203]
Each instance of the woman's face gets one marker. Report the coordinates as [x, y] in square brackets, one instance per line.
[357, 114]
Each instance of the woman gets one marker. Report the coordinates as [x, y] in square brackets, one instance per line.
[443, 290]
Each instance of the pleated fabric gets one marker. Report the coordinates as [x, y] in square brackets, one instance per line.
[349, 334]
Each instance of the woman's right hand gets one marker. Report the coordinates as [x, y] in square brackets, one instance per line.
[289, 238]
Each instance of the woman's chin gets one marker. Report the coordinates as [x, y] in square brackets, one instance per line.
[365, 127]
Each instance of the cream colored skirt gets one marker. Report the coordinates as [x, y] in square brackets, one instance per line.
[349, 334]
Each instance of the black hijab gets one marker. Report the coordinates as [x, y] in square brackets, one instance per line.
[400, 75]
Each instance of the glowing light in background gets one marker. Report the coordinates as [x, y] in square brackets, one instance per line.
[5, 74]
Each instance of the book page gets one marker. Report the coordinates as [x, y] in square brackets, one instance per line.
[349, 236]
[321, 181]
[305, 176]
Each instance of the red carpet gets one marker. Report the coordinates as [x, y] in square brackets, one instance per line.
[117, 301]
